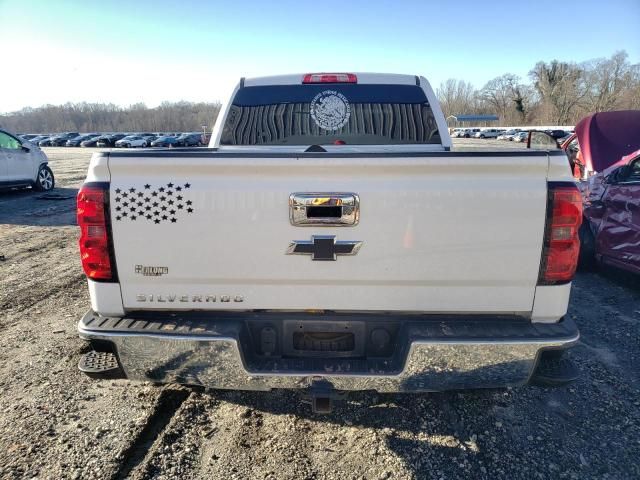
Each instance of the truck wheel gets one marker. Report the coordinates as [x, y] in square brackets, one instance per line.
[587, 257]
[482, 136]
[44, 181]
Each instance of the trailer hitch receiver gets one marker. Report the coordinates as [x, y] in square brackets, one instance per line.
[321, 395]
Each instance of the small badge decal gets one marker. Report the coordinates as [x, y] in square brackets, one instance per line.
[151, 271]
[157, 205]
[330, 110]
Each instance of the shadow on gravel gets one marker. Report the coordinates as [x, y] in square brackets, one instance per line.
[525, 432]
[621, 278]
[431, 432]
[168, 403]
[31, 208]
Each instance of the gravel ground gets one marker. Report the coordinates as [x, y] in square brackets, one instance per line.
[56, 423]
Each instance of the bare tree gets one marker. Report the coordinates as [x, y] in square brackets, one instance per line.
[498, 94]
[606, 80]
[562, 88]
[457, 97]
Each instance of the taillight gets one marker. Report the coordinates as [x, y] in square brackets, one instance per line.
[330, 78]
[561, 242]
[93, 215]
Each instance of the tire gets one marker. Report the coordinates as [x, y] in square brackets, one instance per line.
[482, 136]
[587, 256]
[144, 144]
[45, 180]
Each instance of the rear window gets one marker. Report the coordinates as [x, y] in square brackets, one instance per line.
[324, 114]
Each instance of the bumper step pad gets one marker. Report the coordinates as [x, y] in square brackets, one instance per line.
[100, 365]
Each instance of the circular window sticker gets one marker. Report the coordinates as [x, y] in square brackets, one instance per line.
[330, 110]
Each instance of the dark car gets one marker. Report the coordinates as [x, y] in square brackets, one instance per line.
[75, 142]
[557, 134]
[92, 142]
[109, 141]
[165, 141]
[45, 141]
[61, 139]
[36, 140]
[190, 140]
[27, 136]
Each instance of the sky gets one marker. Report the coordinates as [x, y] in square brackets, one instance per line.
[134, 51]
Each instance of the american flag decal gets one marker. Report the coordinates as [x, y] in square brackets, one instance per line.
[157, 205]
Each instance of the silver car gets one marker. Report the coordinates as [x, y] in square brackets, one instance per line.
[23, 164]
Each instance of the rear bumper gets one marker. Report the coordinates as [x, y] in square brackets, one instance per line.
[431, 353]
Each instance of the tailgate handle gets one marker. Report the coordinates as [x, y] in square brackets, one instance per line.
[324, 209]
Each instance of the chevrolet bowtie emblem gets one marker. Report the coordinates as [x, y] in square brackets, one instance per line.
[323, 247]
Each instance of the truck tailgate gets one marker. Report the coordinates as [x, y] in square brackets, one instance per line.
[442, 233]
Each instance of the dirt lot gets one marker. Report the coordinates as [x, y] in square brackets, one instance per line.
[56, 423]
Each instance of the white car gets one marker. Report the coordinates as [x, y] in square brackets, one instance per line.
[521, 137]
[488, 133]
[468, 132]
[508, 135]
[133, 141]
[23, 164]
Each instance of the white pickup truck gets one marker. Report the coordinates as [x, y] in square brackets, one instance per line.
[329, 239]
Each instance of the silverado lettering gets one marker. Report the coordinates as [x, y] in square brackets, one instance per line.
[187, 298]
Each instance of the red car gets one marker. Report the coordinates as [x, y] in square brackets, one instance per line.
[610, 232]
[602, 139]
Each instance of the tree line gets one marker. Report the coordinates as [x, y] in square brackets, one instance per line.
[558, 93]
[99, 117]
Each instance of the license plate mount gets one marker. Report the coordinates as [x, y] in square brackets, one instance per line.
[327, 339]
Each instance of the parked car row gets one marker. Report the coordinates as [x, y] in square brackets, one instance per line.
[117, 140]
[509, 134]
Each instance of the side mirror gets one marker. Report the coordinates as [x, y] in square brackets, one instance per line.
[541, 141]
[25, 148]
[619, 174]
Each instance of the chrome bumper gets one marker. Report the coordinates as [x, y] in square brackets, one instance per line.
[435, 354]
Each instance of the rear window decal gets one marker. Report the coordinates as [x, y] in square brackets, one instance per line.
[157, 205]
[330, 110]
